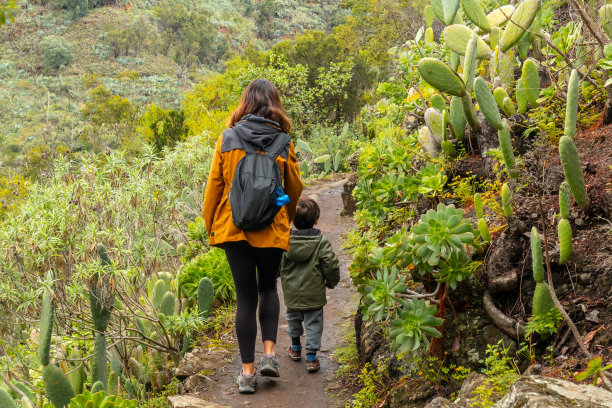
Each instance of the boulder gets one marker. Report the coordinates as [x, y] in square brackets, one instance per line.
[196, 383]
[545, 392]
[200, 361]
[187, 401]
[440, 402]
[471, 382]
[410, 395]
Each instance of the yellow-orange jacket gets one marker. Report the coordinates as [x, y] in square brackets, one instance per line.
[216, 211]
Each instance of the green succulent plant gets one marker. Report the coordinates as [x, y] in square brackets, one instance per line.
[438, 234]
[415, 321]
[100, 400]
[454, 269]
[381, 297]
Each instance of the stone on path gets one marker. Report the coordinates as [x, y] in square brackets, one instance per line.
[440, 402]
[198, 361]
[545, 392]
[186, 401]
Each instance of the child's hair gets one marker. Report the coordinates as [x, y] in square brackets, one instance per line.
[307, 213]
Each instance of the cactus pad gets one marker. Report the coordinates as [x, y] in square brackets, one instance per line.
[564, 232]
[571, 109]
[429, 15]
[487, 103]
[523, 16]
[521, 96]
[536, 256]
[158, 293]
[456, 37]
[98, 361]
[445, 10]
[542, 301]
[498, 17]
[457, 118]
[168, 304]
[564, 200]
[429, 36]
[478, 208]
[440, 76]
[573, 169]
[531, 81]
[483, 228]
[505, 144]
[469, 63]
[58, 388]
[5, 400]
[46, 326]
[474, 11]
[508, 107]
[206, 296]
[506, 200]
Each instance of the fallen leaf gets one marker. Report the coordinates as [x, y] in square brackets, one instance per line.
[587, 339]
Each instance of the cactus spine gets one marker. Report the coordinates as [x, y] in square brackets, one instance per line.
[487, 104]
[573, 169]
[206, 295]
[505, 144]
[571, 109]
[506, 200]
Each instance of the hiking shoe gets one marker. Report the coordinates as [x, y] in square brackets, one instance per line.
[295, 352]
[269, 366]
[246, 383]
[312, 366]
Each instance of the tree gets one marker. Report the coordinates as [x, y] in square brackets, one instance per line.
[57, 52]
[103, 109]
[163, 127]
[6, 11]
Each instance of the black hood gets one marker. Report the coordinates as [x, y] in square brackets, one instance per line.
[257, 130]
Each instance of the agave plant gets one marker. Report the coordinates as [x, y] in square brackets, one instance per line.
[438, 234]
[381, 299]
[415, 321]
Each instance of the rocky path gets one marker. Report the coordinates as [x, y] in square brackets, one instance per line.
[295, 387]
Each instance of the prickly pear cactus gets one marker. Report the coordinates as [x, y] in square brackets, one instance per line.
[505, 144]
[478, 208]
[445, 10]
[571, 109]
[521, 19]
[531, 81]
[483, 228]
[487, 104]
[469, 63]
[474, 11]
[564, 232]
[536, 256]
[5, 400]
[206, 296]
[573, 169]
[168, 304]
[542, 301]
[46, 325]
[58, 388]
[99, 371]
[506, 200]
[440, 76]
[456, 37]
[457, 118]
[564, 200]
[521, 96]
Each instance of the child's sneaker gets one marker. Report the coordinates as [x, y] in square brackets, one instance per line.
[312, 364]
[269, 366]
[295, 352]
[246, 383]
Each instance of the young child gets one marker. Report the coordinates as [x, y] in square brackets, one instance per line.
[308, 267]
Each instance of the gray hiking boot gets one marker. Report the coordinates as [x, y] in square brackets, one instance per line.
[269, 366]
[246, 383]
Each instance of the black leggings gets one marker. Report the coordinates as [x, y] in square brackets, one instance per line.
[252, 287]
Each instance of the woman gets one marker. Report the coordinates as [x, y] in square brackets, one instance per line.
[254, 256]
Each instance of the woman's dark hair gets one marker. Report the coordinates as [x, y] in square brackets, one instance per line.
[261, 98]
[307, 213]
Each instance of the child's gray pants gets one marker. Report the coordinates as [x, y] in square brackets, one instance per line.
[313, 321]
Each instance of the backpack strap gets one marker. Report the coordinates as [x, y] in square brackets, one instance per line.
[275, 149]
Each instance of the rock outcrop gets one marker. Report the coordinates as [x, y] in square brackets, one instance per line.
[545, 392]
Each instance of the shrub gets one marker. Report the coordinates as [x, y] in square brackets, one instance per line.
[57, 52]
[212, 265]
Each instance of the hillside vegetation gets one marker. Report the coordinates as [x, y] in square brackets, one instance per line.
[477, 134]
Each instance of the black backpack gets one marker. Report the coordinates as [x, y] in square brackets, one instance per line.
[256, 184]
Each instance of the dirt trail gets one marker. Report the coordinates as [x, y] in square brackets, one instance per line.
[295, 387]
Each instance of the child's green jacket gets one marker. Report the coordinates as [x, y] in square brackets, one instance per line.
[308, 267]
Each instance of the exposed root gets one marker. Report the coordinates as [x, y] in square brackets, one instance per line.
[506, 324]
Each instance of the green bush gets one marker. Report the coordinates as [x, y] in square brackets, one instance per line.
[212, 265]
[57, 52]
